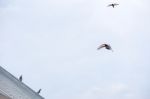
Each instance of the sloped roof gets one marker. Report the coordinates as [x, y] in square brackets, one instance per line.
[4, 97]
[13, 86]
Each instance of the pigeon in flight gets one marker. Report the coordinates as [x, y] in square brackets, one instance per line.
[39, 91]
[107, 46]
[113, 5]
[20, 78]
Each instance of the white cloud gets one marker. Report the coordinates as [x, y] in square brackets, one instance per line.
[114, 91]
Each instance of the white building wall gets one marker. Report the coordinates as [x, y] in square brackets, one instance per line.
[14, 88]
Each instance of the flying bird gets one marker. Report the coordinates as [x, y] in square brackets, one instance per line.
[107, 46]
[113, 5]
[39, 91]
[20, 78]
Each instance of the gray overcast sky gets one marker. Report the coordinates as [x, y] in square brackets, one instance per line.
[53, 43]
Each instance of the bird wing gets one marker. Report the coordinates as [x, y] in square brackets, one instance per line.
[116, 4]
[109, 5]
[101, 46]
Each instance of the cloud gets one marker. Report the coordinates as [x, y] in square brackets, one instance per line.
[114, 91]
[4, 3]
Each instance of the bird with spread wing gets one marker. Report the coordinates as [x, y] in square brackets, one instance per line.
[113, 5]
[107, 46]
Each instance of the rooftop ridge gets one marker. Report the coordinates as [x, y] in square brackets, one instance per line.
[16, 80]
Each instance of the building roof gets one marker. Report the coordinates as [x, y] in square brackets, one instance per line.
[4, 97]
[11, 86]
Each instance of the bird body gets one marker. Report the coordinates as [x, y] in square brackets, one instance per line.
[107, 46]
[20, 78]
[39, 91]
[113, 5]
